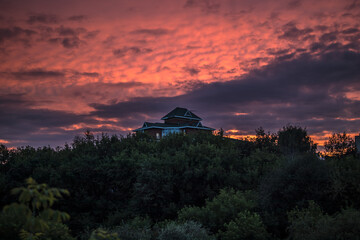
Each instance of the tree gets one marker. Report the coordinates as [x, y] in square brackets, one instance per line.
[345, 181]
[291, 185]
[339, 144]
[32, 217]
[266, 141]
[4, 154]
[312, 224]
[220, 210]
[294, 140]
[304, 222]
[102, 234]
[246, 226]
[184, 231]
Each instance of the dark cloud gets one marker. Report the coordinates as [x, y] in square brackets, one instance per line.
[353, 5]
[282, 54]
[92, 34]
[350, 31]
[293, 33]
[68, 31]
[67, 42]
[12, 100]
[285, 57]
[73, 42]
[188, 85]
[321, 28]
[329, 37]
[78, 18]
[206, 6]
[277, 52]
[34, 74]
[23, 124]
[13, 33]
[89, 74]
[134, 108]
[152, 32]
[122, 52]
[316, 46]
[70, 37]
[191, 70]
[38, 127]
[100, 88]
[306, 90]
[43, 74]
[294, 4]
[43, 18]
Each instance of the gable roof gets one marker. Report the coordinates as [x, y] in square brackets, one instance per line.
[181, 113]
[148, 125]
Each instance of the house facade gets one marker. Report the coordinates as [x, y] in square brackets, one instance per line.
[179, 120]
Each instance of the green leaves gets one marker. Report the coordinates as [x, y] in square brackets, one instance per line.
[184, 231]
[39, 196]
[246, 226]
[339, 144]
[102, 234]
[313, 224]
[34, 210]
[220, 210]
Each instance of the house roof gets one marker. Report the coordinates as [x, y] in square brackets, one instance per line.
[148, 125]
[181, 113]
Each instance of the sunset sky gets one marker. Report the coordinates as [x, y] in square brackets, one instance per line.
[108, 66]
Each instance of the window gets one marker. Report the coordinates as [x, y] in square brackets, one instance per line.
[157, 135]
[168, 131]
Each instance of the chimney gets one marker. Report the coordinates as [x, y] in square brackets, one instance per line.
[357, 143]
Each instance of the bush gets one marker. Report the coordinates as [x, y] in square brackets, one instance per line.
[312, 224]
[247, 226]
[222, 209]
[185, 231]
[136, 229]
[293, 184]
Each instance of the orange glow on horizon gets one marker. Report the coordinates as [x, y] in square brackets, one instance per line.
[3, 141]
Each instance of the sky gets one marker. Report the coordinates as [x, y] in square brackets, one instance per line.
[107, 66]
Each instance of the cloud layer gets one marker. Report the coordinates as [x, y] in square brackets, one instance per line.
[65, 68]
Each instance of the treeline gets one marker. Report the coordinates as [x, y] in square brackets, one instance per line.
[196, 187]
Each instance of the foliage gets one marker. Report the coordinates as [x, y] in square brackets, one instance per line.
[184, 231]
[101, 234]
[345, 181]
[4, 154]
[292, 184]
[304, 223]
[339, 144]
[266, 141]
[135, 186]
[135, 229]
[311, 223]
[257, 165]
[246, 226]
[220, 210]
[294, 140]
[32, 217]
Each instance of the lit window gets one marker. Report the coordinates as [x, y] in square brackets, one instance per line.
[157, 135]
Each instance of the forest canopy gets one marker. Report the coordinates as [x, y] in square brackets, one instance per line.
[196, 186]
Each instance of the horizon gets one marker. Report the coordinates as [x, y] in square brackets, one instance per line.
[70, 66]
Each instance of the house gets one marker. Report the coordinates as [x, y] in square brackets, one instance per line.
[179, 120]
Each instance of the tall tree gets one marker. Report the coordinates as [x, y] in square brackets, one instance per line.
[294, 140]
[339, 144]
